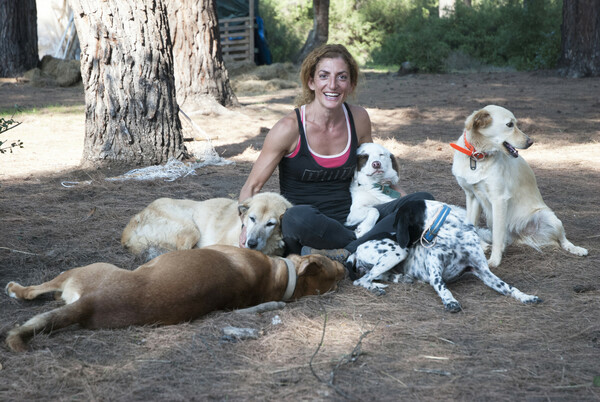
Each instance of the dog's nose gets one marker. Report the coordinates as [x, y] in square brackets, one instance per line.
[376, 165]
[252, 244]
[529, 142]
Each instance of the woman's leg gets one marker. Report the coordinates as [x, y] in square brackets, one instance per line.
[304, 225]
[384, 228]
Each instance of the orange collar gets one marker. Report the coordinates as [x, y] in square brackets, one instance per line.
[470, 151]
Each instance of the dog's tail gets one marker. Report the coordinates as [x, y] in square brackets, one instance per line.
[61, 317]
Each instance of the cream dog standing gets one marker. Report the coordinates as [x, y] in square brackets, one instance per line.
[168, 224]
[174, 287]
[497, 181]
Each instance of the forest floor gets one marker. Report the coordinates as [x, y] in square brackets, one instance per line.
[350, 344]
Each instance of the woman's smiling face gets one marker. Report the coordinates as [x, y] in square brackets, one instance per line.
[331, 82]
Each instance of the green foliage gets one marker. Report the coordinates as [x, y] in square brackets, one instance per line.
[494, 32]
[6, 125]
[286, 24]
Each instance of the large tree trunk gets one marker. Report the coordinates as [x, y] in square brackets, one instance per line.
[127, 72]
[200, 74]
[319, 34]
[580, 39]
[18, 37]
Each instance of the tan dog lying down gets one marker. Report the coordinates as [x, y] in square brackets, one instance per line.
[168, 224]
[172, 288]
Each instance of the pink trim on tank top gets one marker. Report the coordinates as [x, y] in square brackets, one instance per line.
[326, 161]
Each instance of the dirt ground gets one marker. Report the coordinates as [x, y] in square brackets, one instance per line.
[350, 344]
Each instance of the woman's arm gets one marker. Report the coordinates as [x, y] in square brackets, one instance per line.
[280, 141]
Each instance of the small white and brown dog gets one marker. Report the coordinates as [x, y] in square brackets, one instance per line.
[376, 171]
[499, 182]
[432, 244]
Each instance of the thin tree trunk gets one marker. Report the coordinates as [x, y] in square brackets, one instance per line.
[18, 30]
[200, 73]
[580, 39]
[319, 34]
[127, 72]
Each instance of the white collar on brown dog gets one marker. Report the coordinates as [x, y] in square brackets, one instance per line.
[291, 286]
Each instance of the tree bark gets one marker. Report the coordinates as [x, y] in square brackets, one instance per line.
[319, 34]
[580, 34]
[127, 72]
[200, 73]
[18, 37]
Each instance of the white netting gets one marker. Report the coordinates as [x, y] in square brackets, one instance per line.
[172, 170]
[202, 150]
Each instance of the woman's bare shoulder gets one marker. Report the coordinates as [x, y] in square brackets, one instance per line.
[358, 112]
[362, 122]
[284, 133]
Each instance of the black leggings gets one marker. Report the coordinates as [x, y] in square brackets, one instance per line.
[304, 225]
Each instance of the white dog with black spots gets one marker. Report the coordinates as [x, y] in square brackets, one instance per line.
[454, 250]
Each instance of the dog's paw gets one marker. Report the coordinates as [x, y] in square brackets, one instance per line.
[533, 300]
[359, 232]
[363, 228]
[494, 261]
[369, 285]
[580, 251]
[9, 291]
[15, 343]
[453, 307]
[378, 292]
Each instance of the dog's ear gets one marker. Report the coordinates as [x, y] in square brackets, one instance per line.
[278, 225]
[478, 120]
[409, 222]
[395, 164]
[402, 224]
[243, 208]
[361, 161]
[309, 267]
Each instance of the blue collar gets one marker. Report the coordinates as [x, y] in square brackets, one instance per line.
[431, 232]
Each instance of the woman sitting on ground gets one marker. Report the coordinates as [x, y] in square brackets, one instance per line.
[315, 149]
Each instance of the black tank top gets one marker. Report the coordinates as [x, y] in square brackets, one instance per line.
[303, 181]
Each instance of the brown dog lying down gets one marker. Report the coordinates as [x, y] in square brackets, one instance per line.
[174, 287]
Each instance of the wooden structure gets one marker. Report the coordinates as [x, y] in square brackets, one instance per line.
[237, 37]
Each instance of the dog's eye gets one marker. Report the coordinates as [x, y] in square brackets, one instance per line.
[252, 219]
[510, 124]
[270, 223]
